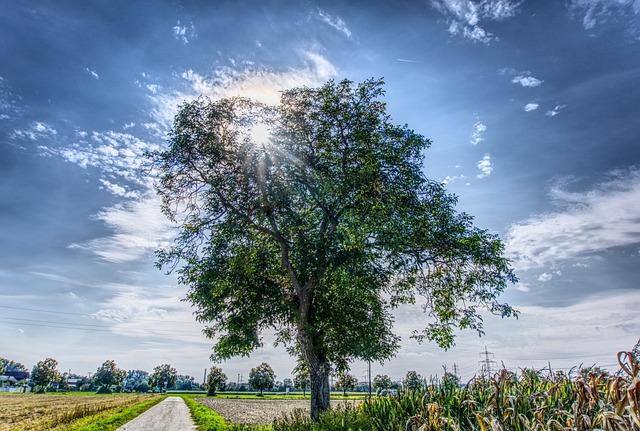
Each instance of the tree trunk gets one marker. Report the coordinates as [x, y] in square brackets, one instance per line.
[319, 369]
[319, 388]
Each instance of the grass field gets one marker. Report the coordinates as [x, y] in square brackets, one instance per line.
[62, 411]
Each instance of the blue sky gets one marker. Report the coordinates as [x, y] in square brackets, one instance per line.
[533, 109]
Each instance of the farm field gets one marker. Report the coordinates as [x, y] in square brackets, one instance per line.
[58, 411]
[258, 411]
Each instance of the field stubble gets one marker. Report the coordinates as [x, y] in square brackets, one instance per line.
[56, 411]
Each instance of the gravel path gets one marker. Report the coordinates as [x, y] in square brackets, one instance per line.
[172, 414]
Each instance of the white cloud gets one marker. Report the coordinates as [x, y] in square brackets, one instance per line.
[335, 22]
[36, 131]
[527, 81]
[131, 239]
[531, 107]
[485, 166]
[591, 221]
[259, 84]
[92, 72]
[114, 153]
[184, 32]
[544, 277]
[555, 111]
[478, 130]
[465, 16]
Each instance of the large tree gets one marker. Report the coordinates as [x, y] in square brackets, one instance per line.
[319, 229]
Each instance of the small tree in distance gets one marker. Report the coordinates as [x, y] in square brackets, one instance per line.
[382, 382]
[346, 382]
[44, 373]
[412, 381]
[215, 380]
[301, 379]
[108, 375]
[163, 377]
[262, 377]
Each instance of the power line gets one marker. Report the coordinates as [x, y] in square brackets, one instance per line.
[83, 326]
[93, 316]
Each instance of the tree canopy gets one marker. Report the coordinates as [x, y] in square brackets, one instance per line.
[314, 218]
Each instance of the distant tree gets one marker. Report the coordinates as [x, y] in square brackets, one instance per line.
[346, 382]
[163, 377]
[44, 373]
[134, 379]
[262, 377]
[382, 382]
[319, 230]
[185, 383]
[287, 383]
[216, 380]
[108, 375]
[10, 365]
[450, 380]
[413, 381]
[301, 380]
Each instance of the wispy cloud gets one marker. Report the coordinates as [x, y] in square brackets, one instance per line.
[184, 32]
[335, 22]
[555, 111]
[531, 107]
[596, 11]
[92, 72]
[485, 166]
[477, 134]
[36, 131]
[590, 221]
[465, 16]
[115, 154]
[131, 239]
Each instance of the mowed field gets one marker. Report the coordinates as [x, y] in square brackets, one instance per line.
[259, 411]
[58, 411]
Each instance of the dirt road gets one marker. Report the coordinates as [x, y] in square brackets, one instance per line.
[172, 414]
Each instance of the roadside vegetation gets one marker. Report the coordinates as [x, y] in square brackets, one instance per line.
[590, 400]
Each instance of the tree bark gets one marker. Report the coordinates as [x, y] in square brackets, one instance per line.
[319, 388]
[319, 369]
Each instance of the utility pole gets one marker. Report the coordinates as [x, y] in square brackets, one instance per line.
[486, 365]
[455, 370]
[369, 378]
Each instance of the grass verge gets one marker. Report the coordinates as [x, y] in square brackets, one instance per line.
[208, 420]
[109, 420]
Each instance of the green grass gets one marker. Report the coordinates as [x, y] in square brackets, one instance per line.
[108, 421]
[291, 396]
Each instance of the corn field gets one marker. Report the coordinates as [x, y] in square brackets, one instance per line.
[530, 401]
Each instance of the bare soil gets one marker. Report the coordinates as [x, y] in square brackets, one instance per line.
[257, 412]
